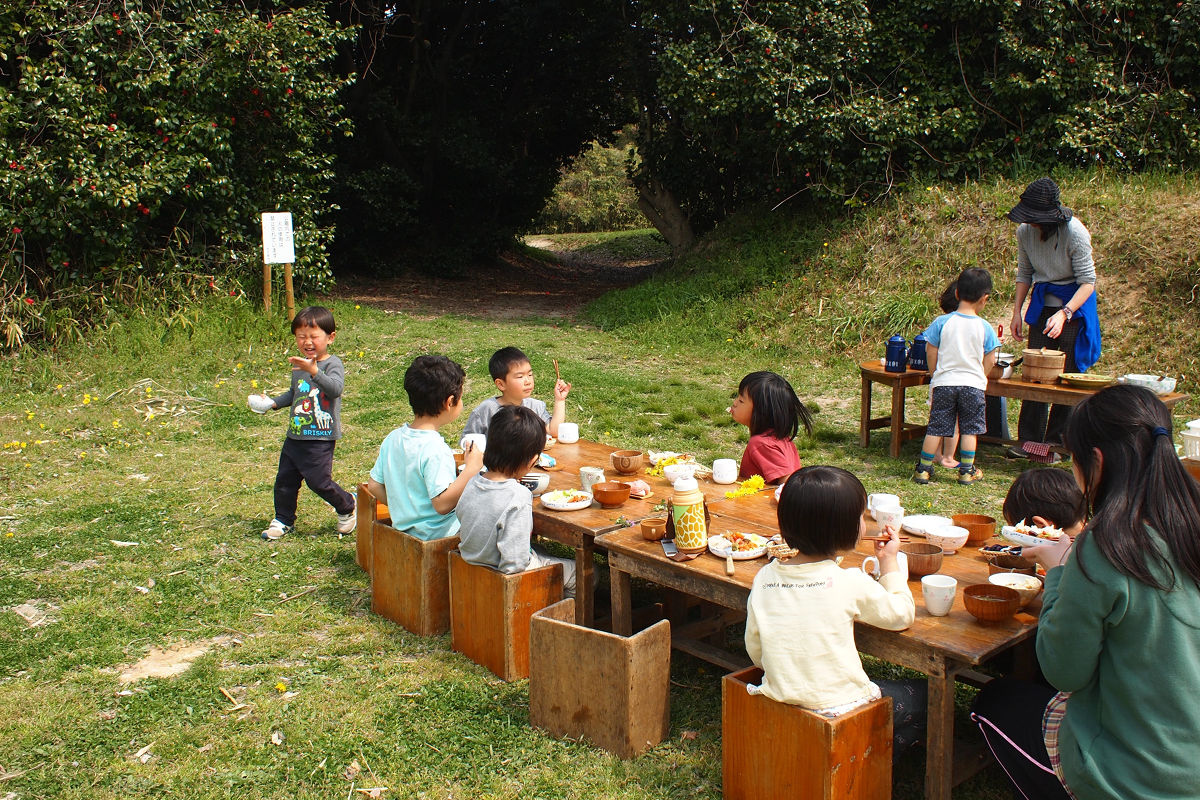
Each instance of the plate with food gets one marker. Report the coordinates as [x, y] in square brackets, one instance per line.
[550, 440]
[566, 500]
[1030, 535]
[1085, 380]
[639, 490]
[744, 546]
[919, 524]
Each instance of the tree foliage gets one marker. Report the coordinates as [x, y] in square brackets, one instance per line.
[144, 139]
[838, 100]
[464, 112]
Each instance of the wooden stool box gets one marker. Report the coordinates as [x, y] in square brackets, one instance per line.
[612, 690]
[364, 518]
[490, 612]
[410, 581]
[772, 750]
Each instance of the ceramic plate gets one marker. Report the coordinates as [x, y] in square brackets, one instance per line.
[920, 523]
[550, 440]
[719, 546]
[1024, 539]
[566, 500]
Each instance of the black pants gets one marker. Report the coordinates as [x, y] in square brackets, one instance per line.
[311, 463]
[1009, 713]
[910, 704]
[1033, 425]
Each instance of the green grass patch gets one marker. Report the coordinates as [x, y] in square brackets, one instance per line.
[143, 436]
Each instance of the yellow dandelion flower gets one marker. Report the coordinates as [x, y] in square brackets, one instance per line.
[82, 454]
[239, 365]
[357, 307]
[253, 384]
[281, 686]
[116, 423]
[9, 534]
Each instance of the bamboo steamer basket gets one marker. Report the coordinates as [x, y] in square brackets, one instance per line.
[1043, 365]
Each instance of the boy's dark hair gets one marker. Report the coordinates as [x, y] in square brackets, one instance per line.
[820, 510]
[776, 407]
[429, 380]
[516, 435]
[1046, 492]
[315, 316]
[503, 360]
[973, 284]
[949, 300]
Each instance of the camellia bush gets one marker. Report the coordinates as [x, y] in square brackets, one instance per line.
[839, 101]
[140, 141]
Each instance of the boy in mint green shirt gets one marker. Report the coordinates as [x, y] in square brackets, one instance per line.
[414, 473]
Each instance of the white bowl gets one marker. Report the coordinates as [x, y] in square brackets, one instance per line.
[1028, 586]
[673, 472]
[1155, 383]
[948, 537]
[535, 482]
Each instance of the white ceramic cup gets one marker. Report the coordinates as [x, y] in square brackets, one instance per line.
[568, 432]
[938, 591]
[477, 440]
[891, 515]
[724, 470]
[878, 501]
[901, 561]
[590, 475]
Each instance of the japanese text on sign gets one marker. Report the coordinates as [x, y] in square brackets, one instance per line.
[278, 244]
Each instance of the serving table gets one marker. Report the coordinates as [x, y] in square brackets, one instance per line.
[940, 647]
[872, 372]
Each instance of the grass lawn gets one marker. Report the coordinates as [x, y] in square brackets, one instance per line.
[143, 436]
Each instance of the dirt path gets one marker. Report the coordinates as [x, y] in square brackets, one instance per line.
[517, 286]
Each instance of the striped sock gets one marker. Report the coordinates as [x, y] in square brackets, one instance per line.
[926, 460]
[966, 460]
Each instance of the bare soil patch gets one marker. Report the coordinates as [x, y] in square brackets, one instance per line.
[516, 286]
[169, 662]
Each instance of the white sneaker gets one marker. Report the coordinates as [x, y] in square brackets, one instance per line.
[276, 530]
[260, 403]
[347, 522]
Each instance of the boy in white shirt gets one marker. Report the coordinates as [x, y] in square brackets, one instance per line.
[961, 348]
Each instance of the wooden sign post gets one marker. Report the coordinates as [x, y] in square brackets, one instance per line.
[279, 247]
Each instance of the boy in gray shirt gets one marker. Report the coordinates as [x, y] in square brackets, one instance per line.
[495, 512]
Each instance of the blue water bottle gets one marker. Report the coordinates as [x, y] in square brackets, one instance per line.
[916, 353]
[897, 355]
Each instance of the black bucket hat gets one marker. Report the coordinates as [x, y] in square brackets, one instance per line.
[1041, 204]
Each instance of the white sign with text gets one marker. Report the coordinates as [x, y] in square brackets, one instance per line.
[279, 247]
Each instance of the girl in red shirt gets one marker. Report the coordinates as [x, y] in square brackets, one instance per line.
[767, 404]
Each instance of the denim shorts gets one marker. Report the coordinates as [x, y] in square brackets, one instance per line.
[961, 404]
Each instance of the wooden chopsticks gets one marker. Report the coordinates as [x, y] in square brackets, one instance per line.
[882, 538]
[557, 377]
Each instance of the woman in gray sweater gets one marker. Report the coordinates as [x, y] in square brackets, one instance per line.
[1056, 273]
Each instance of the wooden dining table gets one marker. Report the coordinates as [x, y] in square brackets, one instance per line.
[943, 648]
[577, 529]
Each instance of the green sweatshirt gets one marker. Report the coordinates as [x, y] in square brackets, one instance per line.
[1130, 656]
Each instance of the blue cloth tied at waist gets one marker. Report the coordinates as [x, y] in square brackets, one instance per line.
[1087, 342]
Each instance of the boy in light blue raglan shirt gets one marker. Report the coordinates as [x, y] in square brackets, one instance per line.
[961, 349]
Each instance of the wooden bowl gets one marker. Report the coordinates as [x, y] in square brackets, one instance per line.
[980, 527]
[610, 494]
[1028, 586]
[923, 558]
[987, 602]
[1003, 562]
[627, 462]
[654, 529]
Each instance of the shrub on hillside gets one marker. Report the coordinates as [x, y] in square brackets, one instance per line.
[593, 194]
[143, 140]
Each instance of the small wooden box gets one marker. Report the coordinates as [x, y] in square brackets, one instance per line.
[490, 612]
[410, 582]
[612, 690]
[772, 750]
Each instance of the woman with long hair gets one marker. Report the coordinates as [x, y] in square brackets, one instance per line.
[1119, 634]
